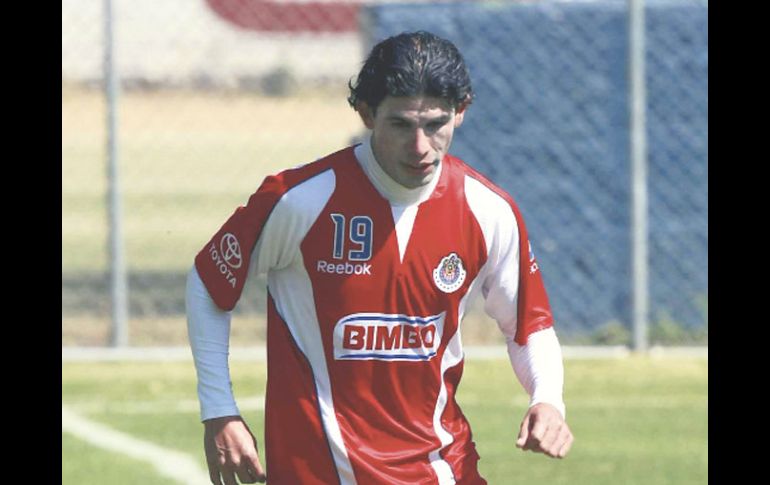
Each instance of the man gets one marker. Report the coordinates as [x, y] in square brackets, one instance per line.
[373, 254]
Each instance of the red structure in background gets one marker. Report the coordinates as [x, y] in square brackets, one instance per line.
[289, 16]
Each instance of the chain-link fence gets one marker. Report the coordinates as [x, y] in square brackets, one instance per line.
[216, 94]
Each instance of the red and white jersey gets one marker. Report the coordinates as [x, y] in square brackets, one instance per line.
[366, 297]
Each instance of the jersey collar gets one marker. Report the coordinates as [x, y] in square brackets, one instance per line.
[394, 192]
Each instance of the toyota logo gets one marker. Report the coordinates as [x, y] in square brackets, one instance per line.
[231, 251]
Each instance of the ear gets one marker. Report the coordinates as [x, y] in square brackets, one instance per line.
[366, 113]
[460, 113]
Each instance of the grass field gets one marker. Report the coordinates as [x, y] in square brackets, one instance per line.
[636, 421]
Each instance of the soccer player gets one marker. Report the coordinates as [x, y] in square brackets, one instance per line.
[372, 255]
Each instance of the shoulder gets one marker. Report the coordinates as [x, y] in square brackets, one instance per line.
[302, 186]
[492, 207]
[312, 173]
[481, 193]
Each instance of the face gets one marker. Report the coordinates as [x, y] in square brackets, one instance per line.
[411, 135]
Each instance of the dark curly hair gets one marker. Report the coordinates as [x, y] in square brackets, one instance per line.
[412, 64]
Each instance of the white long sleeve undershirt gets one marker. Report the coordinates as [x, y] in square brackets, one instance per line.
[208, 329]
[539, 367]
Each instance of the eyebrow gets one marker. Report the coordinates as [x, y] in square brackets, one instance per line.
[441, 119]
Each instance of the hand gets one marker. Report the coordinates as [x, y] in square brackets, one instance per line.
[231, 449]
[544, 430]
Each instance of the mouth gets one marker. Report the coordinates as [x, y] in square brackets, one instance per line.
[422, 168]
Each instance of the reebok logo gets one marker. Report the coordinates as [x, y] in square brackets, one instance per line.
[344, 268]
[381, 336]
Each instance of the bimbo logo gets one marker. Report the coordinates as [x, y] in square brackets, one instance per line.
[382, 336]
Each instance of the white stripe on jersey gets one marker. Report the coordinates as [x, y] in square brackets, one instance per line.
[292, 292]
[501, 235]
[489, 209]
[289, 222]
[453, 355]
[404, 220]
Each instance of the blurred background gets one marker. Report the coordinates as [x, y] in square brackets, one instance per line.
[173, 112]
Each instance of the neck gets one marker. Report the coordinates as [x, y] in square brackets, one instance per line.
[396, 193]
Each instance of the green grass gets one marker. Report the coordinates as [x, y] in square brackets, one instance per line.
[636, 421]
[84, 464]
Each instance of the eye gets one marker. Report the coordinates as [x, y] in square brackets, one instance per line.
[434, 126]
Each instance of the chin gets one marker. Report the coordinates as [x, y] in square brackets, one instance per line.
[412, 181]
[422, 182]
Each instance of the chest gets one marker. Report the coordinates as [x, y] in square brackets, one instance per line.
[363, 254]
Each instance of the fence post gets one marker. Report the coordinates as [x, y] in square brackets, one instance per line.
[118, 282]
[639, 231]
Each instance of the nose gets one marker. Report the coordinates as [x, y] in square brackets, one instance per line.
[421, 143]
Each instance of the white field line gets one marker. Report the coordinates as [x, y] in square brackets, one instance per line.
[169, 463]
[249, 403]
[259, 353]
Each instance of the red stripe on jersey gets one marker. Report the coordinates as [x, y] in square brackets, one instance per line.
[296, 449]
[223, 263]
[534, 311]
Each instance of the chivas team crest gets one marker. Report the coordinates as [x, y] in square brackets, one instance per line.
[450, 274]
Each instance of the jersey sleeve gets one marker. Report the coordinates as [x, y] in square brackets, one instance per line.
[533, 308]
[232, 253]
[513, 286]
